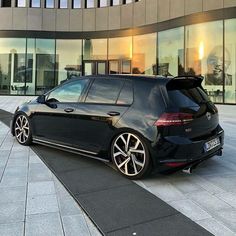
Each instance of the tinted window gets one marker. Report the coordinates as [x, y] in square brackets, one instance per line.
[104, 91]
[70, 92]
[126, 94]
[187, 97]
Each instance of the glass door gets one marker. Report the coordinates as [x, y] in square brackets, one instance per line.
[95, 67]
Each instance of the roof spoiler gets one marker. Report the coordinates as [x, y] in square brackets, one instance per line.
[184, 82]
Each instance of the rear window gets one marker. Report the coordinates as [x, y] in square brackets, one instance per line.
[193, 97]
[104, 91]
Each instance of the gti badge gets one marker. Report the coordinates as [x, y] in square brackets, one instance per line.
[208, 115]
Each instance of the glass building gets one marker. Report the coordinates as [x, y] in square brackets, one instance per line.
[44, 44]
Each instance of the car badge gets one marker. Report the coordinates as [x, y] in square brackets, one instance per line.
[208, 115]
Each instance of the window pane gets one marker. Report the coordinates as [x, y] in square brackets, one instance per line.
[95, 49]
[120, 48]
[144, 54]
[45, 65]
[126, 94]
[30, 66]
[230, 61]
[103, 3]
[115, 2]
[12, 65]
[6, 3]
[35, 3]
[104, 91]
[21, 3]
[70, 92]
[76, 4]
[63, 4]
[49, 4]
[68, 56]
[89, 3]
[171, 52]
[204, 56]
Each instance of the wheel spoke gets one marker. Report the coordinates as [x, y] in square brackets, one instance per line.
[125, 155]
[134, 164]
[119, 153]
[18, 135]
[136, 145]
[126, 169]
[137, 151]
[127, 143]
[138, 162]
[123, 139]
[124, 163]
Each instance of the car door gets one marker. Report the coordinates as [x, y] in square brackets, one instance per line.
[99, 114]
[54, 121]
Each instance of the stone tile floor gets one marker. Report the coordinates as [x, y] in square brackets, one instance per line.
[208, 196]
[33, 201]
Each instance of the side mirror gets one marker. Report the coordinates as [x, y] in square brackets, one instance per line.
[41, 99]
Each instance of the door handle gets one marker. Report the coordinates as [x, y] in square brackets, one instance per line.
[69, 109]
[113, 113]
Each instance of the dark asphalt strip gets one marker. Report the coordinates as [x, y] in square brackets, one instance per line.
[116, 205]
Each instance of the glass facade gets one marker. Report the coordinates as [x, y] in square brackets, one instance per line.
[171, 52]
[33, 65]
[230, 62]
[144, 54]
[204, 56]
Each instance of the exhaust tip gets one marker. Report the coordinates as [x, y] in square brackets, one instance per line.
[188, 170]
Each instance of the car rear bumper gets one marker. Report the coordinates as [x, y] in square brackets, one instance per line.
[179, 152]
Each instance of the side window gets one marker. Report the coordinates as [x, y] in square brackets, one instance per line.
[126, 95]
[69, 92]
[104, 91]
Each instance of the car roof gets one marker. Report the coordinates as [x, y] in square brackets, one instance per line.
[128, 76]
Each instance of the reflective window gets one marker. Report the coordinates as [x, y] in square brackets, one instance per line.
[62, 3]
[104, 91]
[120, 48]
[76, 3]
[49, 3]
[204, 56]
[30, 66]
[171, 52]
[70, 92]
[115, 2]
[120, 55]
[95, 49]
[69, 58]
[35, 3]
[144, 54]
[6, 3]
[102, 3]
[230, 61]
[89, 3]
[126, 94]
[12, 66]
[45, 65]
[21, 3]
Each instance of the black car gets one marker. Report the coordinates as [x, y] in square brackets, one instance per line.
[139, 123]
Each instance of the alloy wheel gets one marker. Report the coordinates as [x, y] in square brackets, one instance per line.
[22, 129]
[129, 154]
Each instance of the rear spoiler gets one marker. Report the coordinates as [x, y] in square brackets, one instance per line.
[184, 82]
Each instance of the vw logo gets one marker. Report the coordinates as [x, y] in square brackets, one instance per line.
[208, 115]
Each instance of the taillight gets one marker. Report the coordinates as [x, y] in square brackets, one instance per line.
[174, 119]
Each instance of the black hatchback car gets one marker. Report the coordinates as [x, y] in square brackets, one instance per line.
[139, 123]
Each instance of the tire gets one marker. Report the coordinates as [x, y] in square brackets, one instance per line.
[130, 155]
[22, 130]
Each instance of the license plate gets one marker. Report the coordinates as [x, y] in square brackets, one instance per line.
[211, 144]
